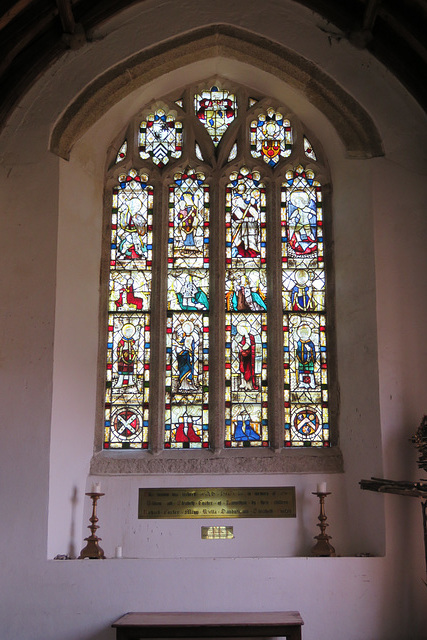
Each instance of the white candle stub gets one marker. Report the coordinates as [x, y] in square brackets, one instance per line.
[321, 487]
[96, 487]
[119, 552]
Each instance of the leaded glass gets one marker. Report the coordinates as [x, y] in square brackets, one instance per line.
[245, 303]
[187, 338]
[246, 290]
[246, 380]
[308, 149]
[198, 151]
[160, 138]
[122, 152]
[302, 221]
[216, 109]
[233, 152]
[304, 322]
[128, 346]
[245, 220]
[271, 137]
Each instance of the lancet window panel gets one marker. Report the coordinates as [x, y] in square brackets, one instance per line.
[129, 302]
[184, 300]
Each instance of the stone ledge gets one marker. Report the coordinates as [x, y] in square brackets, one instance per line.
[221, 462]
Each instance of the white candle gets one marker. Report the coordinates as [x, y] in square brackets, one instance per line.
[321, 487]
[96, 487]
[119, 552]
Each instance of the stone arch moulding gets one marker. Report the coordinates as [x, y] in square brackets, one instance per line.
[354, 126]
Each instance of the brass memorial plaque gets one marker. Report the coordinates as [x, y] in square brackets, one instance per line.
[230, 502]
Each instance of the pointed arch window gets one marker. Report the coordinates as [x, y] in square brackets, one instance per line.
[217, 312]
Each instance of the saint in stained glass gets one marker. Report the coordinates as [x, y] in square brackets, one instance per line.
[187, 339]
[302, 222]
[188, 221]
[128, 348]
[187, 379]
[246, 290]
[245, 220]
[303, 290]
[160, 138]
[246, 380]
[270, 137]
[216, 109]
[304, 325]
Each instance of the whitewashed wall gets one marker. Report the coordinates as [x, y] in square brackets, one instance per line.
[49, 292]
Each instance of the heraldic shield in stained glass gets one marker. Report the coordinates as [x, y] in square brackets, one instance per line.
[304, 326]
[187, 338]
[216, 110]
[271, 137]
[128, 347]
[246, 320]
[160, 138]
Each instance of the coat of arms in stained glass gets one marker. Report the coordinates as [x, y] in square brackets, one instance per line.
[216, 109]
[271, 137]
[160, 138]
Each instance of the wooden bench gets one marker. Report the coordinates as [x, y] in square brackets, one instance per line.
[134, 626]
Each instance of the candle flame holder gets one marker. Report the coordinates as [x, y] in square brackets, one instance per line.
[322, 548]
[92, 549]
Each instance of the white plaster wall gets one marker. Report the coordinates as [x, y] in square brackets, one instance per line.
[51, 434]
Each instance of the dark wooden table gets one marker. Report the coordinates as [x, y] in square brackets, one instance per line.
[134, 626]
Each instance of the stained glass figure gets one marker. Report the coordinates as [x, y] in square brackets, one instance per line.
[304, 322]
[122, 152]
[306, 393]
[216, 109]
[188, 221]
[271, 137]
[245, 220]
[246, 380]
[233, 152]
[160, 138]
[187, 380]
[188, 289]
[128, 349]
[308, 149]
[246, 290]
[302, 221]
[303, 290]
[187, 341]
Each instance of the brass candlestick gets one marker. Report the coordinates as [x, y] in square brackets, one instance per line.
[92, 549]
[322, 548]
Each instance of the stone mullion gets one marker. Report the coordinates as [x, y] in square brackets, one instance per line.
[274, 318]
[158, 317]
[217, 317]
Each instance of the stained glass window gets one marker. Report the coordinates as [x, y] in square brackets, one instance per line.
[187, 340]
[178, 329]
[216, 110]
[160, 137]
[271, 137]
[246, 320]
[304, 320]
[128, 347]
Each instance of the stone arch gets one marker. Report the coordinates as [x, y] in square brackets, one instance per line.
[354, 126]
